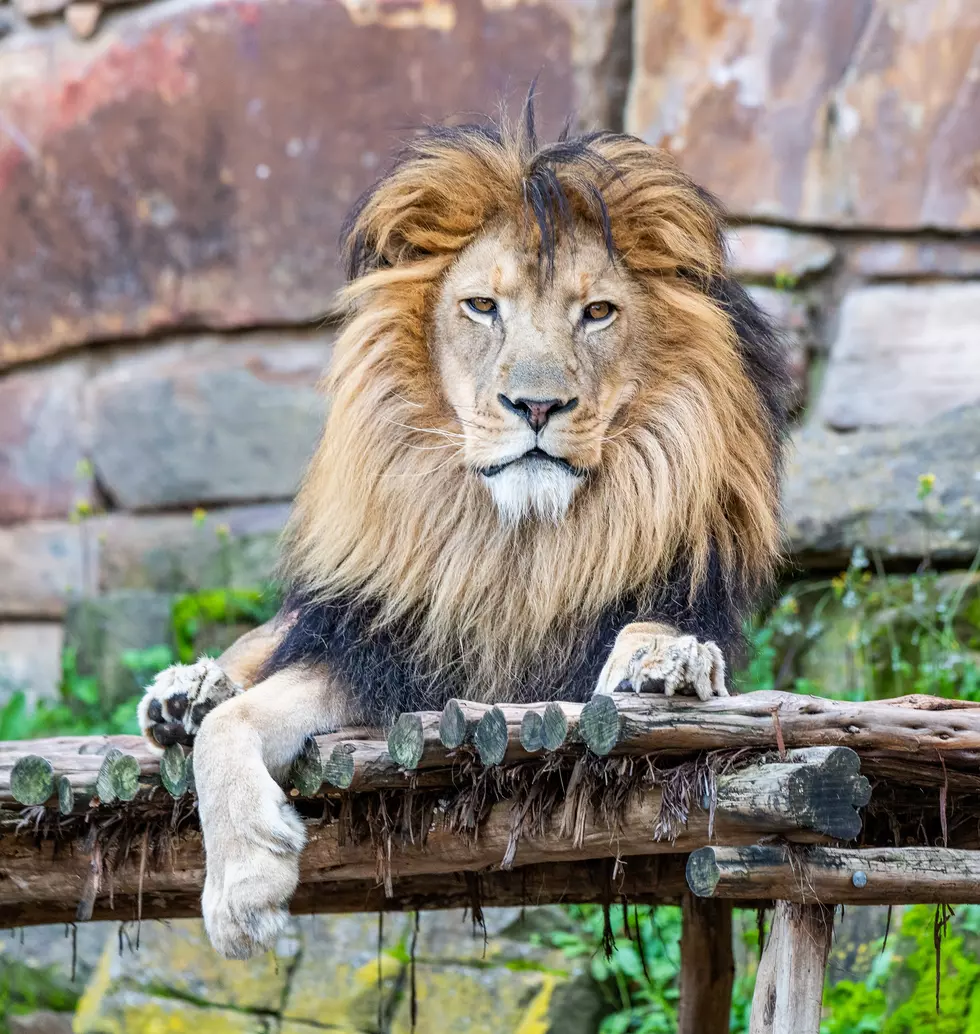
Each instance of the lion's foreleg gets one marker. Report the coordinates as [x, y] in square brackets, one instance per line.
[649, 657]
[252, 836]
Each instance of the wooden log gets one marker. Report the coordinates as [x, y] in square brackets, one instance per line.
[817, 788]
[50, 872]
[837, 876]
[707, 967]
[657, 880]
[918, 741]
[906, 726]
[789, 984]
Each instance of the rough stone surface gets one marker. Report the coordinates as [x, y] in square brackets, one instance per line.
[769, 252]
[194, 166]
[208, 424]
[327, 973]
[902, 355]
[82, 17]
[237, 547]
[790, 313]
[44, 566]
[50, 949]
[862, 489]
[858, 113]
[42, 443]
[102, 629]
[340, 978]
[30, 659]
[896, 258]
[44, 1022]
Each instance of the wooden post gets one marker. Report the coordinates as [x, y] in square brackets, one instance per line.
[707, 966]
[789, 985]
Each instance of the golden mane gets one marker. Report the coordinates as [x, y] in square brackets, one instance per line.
[388, 514]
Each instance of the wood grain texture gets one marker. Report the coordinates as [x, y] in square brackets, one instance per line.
[838, 876]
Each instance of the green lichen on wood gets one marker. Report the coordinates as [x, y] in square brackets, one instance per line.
[531, 732]
[453, 726]
[66, 795]
[118, 778]
[104, 788]
[174, 769]
[125, 777]
[406, 741]
[490, 738]
[339, 767]
[32, 780]
[599, 725]
[307, 771]
[554, 727]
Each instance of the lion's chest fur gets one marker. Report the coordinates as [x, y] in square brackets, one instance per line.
[384, 671]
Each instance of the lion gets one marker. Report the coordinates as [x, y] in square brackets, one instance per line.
[550, 469]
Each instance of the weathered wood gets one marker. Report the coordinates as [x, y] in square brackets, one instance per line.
[458, 722]
[817, 788]
[32, 780]
[174, 770]
[907, 726]
[837, 876]
[657, 880]
[789, 984]
[490, 737]
[707, 967]
[306, 774]
[54, 873]
[917, 741]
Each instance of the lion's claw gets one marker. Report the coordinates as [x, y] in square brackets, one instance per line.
[664, 664]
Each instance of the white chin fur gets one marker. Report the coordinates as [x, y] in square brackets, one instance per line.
[530, 489]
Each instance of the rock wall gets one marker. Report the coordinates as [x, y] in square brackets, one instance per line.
[173, 176]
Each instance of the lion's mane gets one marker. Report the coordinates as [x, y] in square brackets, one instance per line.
[406, 581]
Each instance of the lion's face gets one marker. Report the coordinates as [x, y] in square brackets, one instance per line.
[535, 366]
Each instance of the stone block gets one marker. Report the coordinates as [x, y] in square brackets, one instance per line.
[211, 423]
[476, 1000]
[41, 1022]
[42, 448]
[889, 259]
[30, 659]
[844, 490]
[342, 979]
[858, 114]
[903, 355]
[165, 984]
[102, 629]
[772, 252]
[194, 167]
[791, 315]
[44, 567]
[236, 547]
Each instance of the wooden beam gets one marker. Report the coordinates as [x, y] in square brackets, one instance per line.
[707, 967]
[837, 876]
[656, 880]
[55, 872]
[789, 985]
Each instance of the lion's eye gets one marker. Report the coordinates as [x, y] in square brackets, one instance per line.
[598, 311]
[484, 306]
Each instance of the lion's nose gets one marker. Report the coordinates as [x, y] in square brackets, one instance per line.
[537, 412]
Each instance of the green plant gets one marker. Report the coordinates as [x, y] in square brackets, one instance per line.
[193, 611]
[26, 989]
[78, 709]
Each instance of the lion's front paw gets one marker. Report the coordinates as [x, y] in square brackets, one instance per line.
[664, 663]
[252, 872]
[176, 701]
